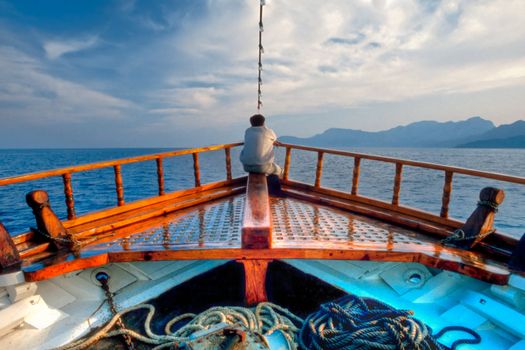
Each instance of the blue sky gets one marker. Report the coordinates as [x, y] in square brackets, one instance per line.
[183, 73]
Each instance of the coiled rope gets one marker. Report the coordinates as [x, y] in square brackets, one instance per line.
[265, 319]
[354, 323]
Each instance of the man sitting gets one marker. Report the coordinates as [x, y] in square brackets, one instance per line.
[257, 155]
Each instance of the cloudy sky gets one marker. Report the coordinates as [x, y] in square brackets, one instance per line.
[147, 73]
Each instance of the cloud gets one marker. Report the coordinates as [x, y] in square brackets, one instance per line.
[31, 94]
[55, 48]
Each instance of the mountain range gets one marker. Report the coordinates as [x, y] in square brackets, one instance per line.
[474, 132]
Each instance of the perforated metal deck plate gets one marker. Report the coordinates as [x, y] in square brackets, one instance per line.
[216, 225]
[302, 224]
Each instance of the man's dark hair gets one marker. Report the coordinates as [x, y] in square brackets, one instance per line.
[257, 120]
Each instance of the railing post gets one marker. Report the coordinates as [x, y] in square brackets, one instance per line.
[196, 169]
[68, 192]
[397, 184]
[319, 169]
[118, 185]
[355, 175]
[227, 152]
[447, 189]
[287, 163]
[160, 176]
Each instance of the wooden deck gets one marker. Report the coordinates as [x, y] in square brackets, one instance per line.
[302, 229]
[236, 219]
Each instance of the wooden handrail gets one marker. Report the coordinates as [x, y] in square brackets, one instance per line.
[105, 164]
[457, 170]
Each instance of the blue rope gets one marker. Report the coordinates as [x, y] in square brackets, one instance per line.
[354, 323]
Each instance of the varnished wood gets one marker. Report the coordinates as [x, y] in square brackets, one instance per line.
[447, 190]
[458, 260]
[160, 176]
[68, 192]
[9, 257]
[481, 221]
[397, 184]
[458, 170]
[118, 185]
[228, 156]
[256, 224]
[319, 169]
[110, 213]
[287, 159]
[47, 221]
[196, 169]
[255, 281]
[355, 175]
[105, 164]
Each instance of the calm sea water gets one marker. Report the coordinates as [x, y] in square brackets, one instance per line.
[420, 188]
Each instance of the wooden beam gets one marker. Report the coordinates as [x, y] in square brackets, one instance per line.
[287, 163]
[397, 184]
[257, 223]
[227, 152]
[319, 169]
[68, 192]
[255, 281]
[196, 169]
[118, 185]
[9, 257]
[48, 223]
[160, 176]
[480, 223]
[447, 190]
[355, 175]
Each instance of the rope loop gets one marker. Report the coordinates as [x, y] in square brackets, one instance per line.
[489, 204]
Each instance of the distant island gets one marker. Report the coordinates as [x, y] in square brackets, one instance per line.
[474, 132]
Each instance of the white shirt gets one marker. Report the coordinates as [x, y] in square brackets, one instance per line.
[258, 146]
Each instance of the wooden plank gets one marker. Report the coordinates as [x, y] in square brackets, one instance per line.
[160, 176]
[255, 281]
[319, 169]
[451, 259]
[447, 190]
[9, 257]
[228, 156]
[118, 185]
[355, 175]
[397, 184]
[459, 170]
[257, 223]
[196, 169]
[287, 160]
[105, 164]
[68, 192]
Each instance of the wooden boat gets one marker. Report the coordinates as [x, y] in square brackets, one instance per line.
[50, 294]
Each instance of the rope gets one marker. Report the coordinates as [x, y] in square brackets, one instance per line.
[261, 51]
[354, 323]
[489, 204]
[265, 319]
[69, 239]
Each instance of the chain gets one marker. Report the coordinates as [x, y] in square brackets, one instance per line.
[103, 278]
[261, 51]
[459, 235]
[69, 239]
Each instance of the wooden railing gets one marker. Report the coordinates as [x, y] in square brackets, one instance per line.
[449, 172]
[66, 173]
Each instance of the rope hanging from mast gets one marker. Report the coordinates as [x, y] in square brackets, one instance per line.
[261, 51]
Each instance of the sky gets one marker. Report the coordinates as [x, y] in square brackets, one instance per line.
[132, 73]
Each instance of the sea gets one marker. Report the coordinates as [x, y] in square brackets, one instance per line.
[420, 188]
